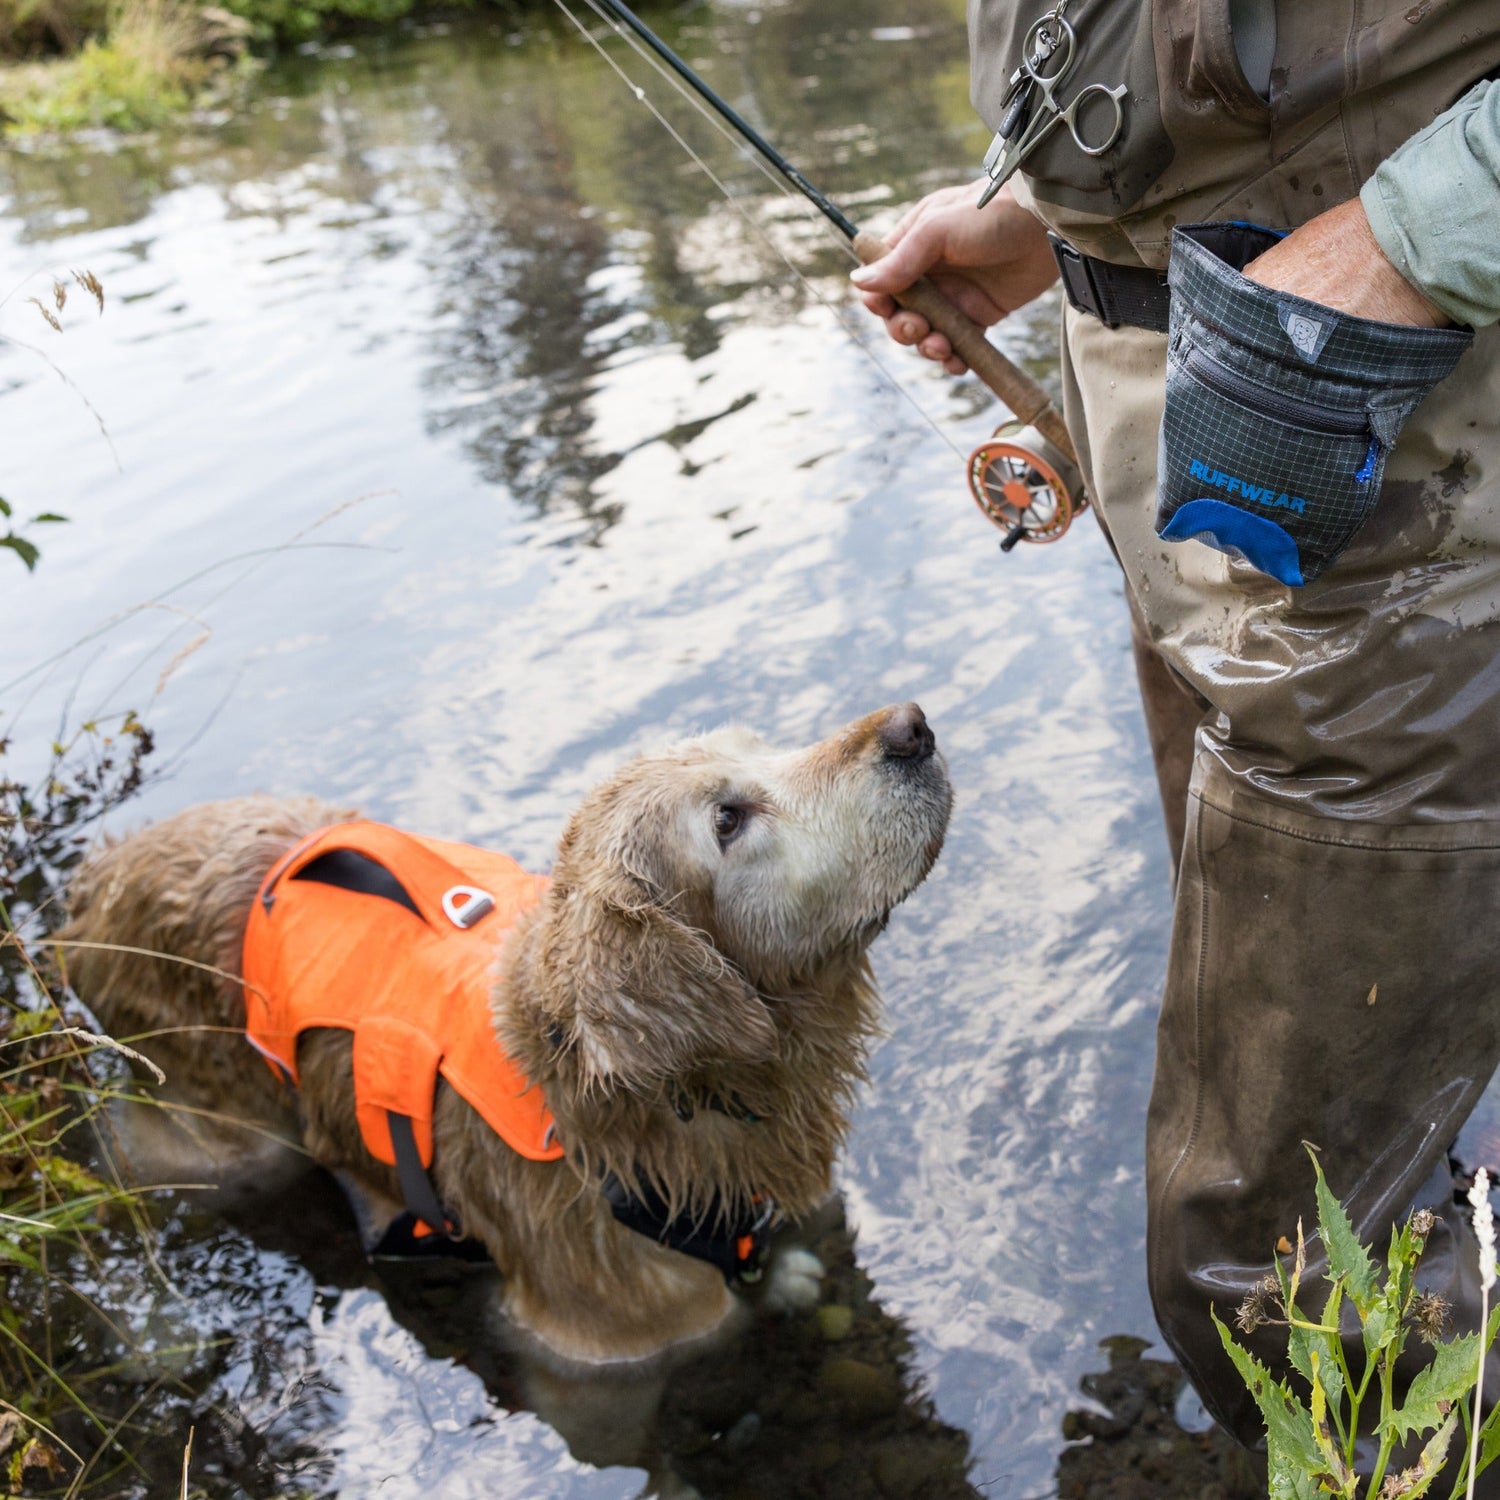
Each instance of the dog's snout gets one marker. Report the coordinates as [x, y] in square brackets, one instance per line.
[905, 735]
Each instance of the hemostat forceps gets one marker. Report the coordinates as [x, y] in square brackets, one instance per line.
[1046, 59]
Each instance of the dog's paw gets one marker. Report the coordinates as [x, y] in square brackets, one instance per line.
[794, 1282]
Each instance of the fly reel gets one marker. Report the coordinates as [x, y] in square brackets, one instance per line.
[1026, 485]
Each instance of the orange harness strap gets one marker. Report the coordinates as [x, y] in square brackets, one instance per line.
[331, 942]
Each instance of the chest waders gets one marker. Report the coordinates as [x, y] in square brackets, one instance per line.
[1326, 753]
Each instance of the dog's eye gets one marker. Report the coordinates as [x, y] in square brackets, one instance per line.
[728, 821]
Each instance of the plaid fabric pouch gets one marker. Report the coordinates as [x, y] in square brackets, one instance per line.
[1280, 412]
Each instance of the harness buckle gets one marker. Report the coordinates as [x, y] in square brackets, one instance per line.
[464, 905]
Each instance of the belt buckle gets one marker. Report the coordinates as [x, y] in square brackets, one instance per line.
[1083, 292]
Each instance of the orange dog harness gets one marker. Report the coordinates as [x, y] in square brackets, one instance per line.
[393, 936]
[408, 973]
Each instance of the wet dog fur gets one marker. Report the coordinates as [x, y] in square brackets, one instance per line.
[703, 940]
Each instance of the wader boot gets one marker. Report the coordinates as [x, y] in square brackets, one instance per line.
[1334, 972]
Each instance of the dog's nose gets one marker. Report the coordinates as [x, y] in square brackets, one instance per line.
[905, 736]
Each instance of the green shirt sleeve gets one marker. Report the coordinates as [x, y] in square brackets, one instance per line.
[1434, 206]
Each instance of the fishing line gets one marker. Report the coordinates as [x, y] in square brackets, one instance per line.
[734, 138]
[735, 203]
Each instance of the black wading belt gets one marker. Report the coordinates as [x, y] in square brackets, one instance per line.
[1134, 295]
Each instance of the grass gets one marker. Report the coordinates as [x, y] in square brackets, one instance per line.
[152, 60]
[56, 1079]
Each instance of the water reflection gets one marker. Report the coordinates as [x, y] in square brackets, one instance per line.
[819, 1404]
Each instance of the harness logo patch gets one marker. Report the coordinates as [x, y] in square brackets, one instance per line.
[1259, 494]
[1308, 335]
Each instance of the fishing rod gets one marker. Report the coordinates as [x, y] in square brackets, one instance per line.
[1025, 478]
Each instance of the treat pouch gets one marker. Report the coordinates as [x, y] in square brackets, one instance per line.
[1279, 412]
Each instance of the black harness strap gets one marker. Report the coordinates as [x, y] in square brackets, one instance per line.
[416, 1186]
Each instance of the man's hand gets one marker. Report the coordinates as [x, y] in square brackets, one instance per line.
[1335, 260]
[988, 262]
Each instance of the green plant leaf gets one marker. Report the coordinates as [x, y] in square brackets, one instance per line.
[1347, 1258]
[1304, 1343]
[4, 506]
[1449, 1378]
[23, 549]
[1417, 1480]
[1489, 1431]
[49, 515]
[1401, 1266]
[1294, 1465]
[1382, 1328]
[1338, 1478]
[12, 1251]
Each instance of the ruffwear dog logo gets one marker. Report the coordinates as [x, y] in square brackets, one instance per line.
[1308, 335]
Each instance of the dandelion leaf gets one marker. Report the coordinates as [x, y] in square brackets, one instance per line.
[1446, 1380]
[1293, 1460]
[1347, 1258]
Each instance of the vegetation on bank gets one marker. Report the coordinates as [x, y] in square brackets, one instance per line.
[63, 1211]
[132, 65]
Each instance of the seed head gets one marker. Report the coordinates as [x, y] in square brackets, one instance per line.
[1258, 1305]
[1484, 1227]
[1422, 1222]
[1429, 1313]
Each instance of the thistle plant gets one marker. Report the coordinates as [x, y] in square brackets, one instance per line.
[1345, 1391]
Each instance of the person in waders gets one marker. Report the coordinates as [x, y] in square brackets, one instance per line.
[1281, 368]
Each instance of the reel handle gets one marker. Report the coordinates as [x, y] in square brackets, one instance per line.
[1030, 403]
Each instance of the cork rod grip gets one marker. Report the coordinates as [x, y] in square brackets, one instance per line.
[1013, 386]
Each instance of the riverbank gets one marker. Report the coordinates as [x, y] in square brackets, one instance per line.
[136, 65]
[147, 63]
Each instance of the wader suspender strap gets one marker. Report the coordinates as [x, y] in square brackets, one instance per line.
[417, 1191]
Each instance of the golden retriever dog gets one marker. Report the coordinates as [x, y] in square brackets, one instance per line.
[691, 993]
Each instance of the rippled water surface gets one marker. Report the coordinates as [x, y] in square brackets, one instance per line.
[468, 441]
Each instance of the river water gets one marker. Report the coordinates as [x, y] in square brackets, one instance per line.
[468, 441]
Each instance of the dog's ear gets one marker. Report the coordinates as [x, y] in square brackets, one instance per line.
[639, 996]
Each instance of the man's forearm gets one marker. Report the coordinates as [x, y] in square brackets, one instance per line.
[1335, 260]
